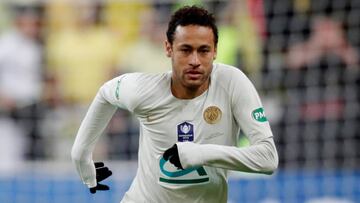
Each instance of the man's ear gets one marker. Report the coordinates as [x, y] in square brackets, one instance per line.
[168, 49]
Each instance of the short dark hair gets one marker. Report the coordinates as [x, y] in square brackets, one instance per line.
[191, 15]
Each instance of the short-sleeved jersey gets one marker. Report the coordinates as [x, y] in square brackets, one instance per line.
[215, 117]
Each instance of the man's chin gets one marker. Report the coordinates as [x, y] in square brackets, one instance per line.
[194, 85]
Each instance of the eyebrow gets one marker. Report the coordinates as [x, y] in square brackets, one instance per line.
[204, 47]
[189, 46]
[185, 46]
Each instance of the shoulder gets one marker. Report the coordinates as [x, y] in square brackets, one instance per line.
[8, 38]
[132, 89]
[138, 82]
[233, 81]
[147, 77]
[144, 80]
[145, 85]
[228, 76]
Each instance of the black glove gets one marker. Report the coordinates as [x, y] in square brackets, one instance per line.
[172, 155]
[102, 173]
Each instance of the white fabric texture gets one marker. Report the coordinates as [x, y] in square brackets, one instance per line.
[20, 58]
[165, 120]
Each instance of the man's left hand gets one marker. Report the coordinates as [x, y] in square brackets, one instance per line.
[172, 155]
[102, 172]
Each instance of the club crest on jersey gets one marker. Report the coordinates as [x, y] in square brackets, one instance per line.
[212, 114]
[185, 132]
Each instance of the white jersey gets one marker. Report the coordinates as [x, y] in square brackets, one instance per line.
[20, 68]
[205, 129]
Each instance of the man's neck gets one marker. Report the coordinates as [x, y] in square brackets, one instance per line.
[181, 92]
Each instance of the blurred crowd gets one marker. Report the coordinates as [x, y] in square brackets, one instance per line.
[302, 55]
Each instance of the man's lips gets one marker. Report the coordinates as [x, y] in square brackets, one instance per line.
[193, 74]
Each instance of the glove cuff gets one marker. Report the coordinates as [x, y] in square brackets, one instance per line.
[91, 184]
[190, 154]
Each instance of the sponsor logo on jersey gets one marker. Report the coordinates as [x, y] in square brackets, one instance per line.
[185, 132]
[212, 114]
[171, 175]
[194, 175]
[259, 115]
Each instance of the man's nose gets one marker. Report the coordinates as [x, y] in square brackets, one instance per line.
[194, 59]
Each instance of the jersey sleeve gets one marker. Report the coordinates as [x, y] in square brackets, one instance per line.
[94, 123]
[260, 157]
[122, 91]
[248, 110]
[117, 92]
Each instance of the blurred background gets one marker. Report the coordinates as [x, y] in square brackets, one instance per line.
[302, 55]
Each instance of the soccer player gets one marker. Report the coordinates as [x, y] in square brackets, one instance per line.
[190, 120]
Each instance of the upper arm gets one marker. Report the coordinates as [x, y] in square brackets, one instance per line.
[248, 110]
[121, 91]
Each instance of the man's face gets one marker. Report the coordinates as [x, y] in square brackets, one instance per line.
[29, 25]
[192, 54]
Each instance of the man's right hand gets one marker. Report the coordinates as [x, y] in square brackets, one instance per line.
[102, 173]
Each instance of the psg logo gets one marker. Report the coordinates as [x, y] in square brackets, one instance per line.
[212, 114]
